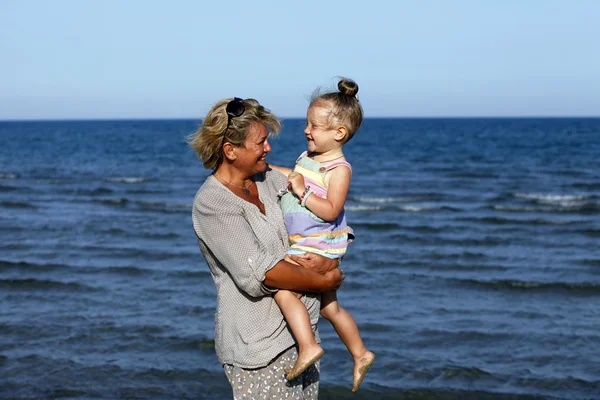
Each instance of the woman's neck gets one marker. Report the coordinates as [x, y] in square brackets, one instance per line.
[232, 175]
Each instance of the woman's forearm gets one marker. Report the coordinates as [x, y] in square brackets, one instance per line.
[283, 170]
[285, 275]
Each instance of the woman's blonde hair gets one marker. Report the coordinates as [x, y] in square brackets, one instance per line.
[344, 106]
[208, 140]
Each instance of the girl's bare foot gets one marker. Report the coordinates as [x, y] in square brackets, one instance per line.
[305, 359]
[361, 366]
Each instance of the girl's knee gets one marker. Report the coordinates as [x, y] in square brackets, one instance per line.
[330, 312]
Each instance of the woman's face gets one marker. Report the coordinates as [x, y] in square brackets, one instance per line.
[253, 156]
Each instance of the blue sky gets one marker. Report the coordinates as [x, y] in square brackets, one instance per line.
[67, 59]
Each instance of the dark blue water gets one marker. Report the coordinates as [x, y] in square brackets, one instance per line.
[475, 273]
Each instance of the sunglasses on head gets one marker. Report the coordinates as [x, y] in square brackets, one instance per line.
[234, 108]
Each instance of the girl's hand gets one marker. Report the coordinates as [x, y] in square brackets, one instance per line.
[296, 182]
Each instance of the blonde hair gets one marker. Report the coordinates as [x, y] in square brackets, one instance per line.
[344, 106]
[208, 140]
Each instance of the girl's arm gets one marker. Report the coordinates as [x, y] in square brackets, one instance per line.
[283, 170]
[327, 209]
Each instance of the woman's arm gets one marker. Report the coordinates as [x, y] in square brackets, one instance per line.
[327, 209]
[227, 236]
[283, 170]
[285, 275]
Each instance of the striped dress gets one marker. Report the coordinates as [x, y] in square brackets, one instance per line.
[306, 231]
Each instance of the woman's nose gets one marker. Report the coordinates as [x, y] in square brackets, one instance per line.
[267, 146]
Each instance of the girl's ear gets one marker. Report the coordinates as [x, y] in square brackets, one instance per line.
[341, 133]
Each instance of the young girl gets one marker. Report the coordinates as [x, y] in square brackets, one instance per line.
[313, 209]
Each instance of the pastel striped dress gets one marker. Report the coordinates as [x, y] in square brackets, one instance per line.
[306, 231]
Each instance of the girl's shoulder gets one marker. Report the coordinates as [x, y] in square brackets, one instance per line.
[335, 164]
[340, 175]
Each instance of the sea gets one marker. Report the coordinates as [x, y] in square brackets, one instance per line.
[475, 273]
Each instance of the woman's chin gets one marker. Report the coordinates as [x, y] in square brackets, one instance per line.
[261, 165]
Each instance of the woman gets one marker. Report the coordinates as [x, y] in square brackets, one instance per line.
[242, 236]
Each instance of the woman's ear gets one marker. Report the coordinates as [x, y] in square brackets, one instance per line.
[341, 133]
[229, 151]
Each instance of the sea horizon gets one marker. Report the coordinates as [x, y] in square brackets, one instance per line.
[134, 119]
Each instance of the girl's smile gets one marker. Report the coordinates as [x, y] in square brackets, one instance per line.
[319, 136]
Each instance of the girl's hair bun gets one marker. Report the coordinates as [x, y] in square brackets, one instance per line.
[348, 87]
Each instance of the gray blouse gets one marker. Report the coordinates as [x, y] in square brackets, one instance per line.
[240, 245]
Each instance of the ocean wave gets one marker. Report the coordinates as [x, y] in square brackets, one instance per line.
[463, 334]
[28, 266]
[515, 208]
[426, 228]
[562, 200]
[452, 267]
[94, 192]
[119, 202]
[138, 253]
[8, 176]
[591, 288]
[17, 204]
[7, 188]
[573, 387]
[515, 221]
[335, 392]
[414, 208]
[586, 186]
[590, 261]
[126, 271]
[483, 241]
[363, 199]
[404, 238]
[17, 246]
[462, 254]
[590, 232]
[201, 273]
[165, 205]
[362, 208]
[377, 226]
[127, 179]
[134, 234]
[587, 207]
[178, 343]
[42, 284]
[411, 208]
[475, 174]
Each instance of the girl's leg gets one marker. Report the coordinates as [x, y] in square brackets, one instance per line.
[298, 319]
[346, 328]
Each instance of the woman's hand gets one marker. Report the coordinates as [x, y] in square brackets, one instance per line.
[328, 267]
[335, 278]
[314, 273]
[316, 262]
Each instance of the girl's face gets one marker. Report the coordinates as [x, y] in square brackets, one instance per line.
[320, 137]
